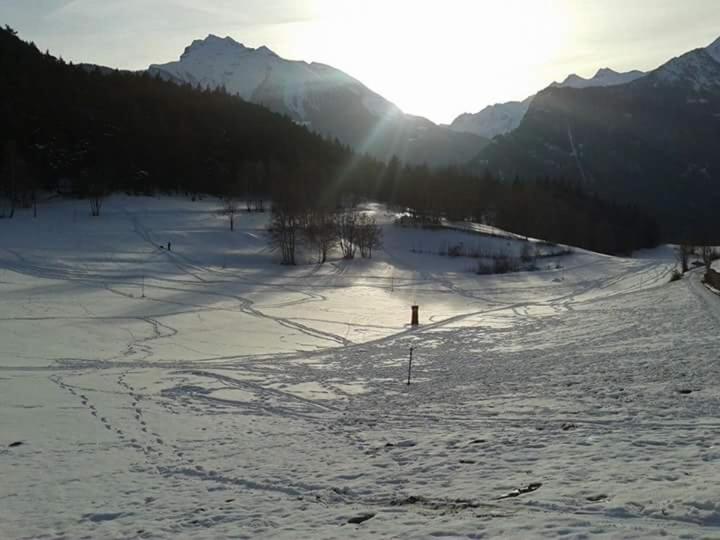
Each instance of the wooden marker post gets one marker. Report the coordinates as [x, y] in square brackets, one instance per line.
[415, 320]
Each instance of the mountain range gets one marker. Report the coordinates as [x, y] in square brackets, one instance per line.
[502, 118]
[333, 103]
[323, 98]
[651, 141]
[646, 138]
[642, 137]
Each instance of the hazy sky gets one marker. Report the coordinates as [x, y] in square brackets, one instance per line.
[436, 58]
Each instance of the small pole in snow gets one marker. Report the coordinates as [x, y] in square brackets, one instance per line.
[410, 366]
[143, 286]
[169, 246]
[415, 318]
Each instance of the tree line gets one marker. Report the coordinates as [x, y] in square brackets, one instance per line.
[87, 131]
[554, 209]
[322, 230]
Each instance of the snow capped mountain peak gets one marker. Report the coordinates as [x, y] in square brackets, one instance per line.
[214, 44]
[571, 80]
[504, 117]
[257, 75]
[493, 120]
[264, 50]
[260, 75]
[603, 77]
[714, 50]
[213, 38]
[605, 72]
[320, 97]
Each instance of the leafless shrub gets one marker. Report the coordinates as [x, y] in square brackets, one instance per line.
[369, 235]
[230, 208]
[347, 233]
[97, 194]
[709, 255]
[683, 255]
[321, 232]
[284, 229]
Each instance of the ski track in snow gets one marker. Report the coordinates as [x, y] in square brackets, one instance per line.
[248, 400]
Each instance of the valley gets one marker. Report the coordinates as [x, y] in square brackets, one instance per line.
[242, 398]
[246, 293]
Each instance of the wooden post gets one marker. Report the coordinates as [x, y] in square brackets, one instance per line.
[415, 321]
[410, 366]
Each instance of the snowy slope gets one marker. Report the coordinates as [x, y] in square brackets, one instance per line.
[238, 398]
[322, 98]
[505, 117]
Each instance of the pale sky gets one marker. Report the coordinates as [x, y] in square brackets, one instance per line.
[434, 58]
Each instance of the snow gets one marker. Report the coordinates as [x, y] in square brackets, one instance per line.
[240, 398]
[260, 75]
[493, 120]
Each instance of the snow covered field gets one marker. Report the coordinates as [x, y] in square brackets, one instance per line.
[239, 398]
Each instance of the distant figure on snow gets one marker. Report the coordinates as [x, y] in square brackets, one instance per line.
[169, 246]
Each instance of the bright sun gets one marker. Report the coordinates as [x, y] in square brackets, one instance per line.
[416, 51]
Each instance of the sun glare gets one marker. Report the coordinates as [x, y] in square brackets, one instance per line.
[415, 50]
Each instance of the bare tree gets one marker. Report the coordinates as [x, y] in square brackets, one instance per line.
[10, 174]
[321, 232]
[97, 194]
[253, 177]
[33, 189]
[230, 208]
[683, 255]
[95, 205]
[246, 178]
[284, 231]
[261, 176]
[708, 256]
[347, 232]
[369, 235]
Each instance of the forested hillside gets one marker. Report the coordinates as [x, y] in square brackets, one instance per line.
[651, 142]
[138, 133]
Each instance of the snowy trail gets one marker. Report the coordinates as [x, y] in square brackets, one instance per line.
[710, 301]
[256, 401]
